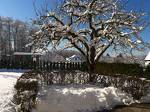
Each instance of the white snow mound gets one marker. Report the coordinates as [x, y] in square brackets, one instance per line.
[79, 98]
[7, 82]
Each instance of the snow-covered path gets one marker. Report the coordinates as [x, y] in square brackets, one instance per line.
[7, 82]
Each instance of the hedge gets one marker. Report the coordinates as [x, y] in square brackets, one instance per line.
[147, 72]
[119, 69]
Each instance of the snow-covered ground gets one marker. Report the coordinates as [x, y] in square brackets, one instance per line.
[70, 98]
[79, 98]
[7, 82]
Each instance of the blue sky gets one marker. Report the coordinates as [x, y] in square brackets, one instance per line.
[23, 10]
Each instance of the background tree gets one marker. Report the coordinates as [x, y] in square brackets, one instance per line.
[5, 35]
[14, 36]
[21, 36]
[92, 27]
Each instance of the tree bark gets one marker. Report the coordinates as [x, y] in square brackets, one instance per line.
[91, 64]
[91, 69]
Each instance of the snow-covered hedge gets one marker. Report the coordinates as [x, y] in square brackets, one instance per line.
[29, 84]
[132, 85]
[26, 92]
[128, 69]
[147, 72]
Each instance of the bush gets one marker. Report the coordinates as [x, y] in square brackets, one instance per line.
[26, 91]
[147, 72]
[27, 85]
[119, 69]
[131, 85]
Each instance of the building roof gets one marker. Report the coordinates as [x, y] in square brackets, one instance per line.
[74, 58]
[147, 58]
[26, 53]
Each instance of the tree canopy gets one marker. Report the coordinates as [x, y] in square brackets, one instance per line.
[92, 27]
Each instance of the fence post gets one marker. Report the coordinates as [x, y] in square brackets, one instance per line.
[50, 67]
[47, 66]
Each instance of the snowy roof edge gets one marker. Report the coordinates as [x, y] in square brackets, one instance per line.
[26, 53]
[147, 58]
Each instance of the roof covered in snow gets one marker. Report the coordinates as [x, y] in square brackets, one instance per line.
[26, 53]
[74, 58]
[147, 58]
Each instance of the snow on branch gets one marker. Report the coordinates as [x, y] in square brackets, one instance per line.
[95, 24]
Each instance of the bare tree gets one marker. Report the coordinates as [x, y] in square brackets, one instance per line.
[6, 35]
[92, 27]
[9, 23]
[0, 37]
[14, 36]
[21, 34]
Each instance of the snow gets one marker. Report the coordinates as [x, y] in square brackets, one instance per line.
[27, 53]
[147, 58]
[139, 41]
[7, 81]
[74, 58]
[79, 98]
[28, 80]
[65, 98]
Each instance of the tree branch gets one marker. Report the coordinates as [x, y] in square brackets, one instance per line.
[105, 48]
[52, 15]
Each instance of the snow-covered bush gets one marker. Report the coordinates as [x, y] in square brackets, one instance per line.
[147, 72]
[64, 77]
[26, 92]
[29, 84]
[132, 85]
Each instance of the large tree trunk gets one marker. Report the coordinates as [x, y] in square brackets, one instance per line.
[91, 64]
[91, 72]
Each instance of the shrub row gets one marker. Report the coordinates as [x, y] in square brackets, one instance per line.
[147, 72]
[29, 83]
[123, 69]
